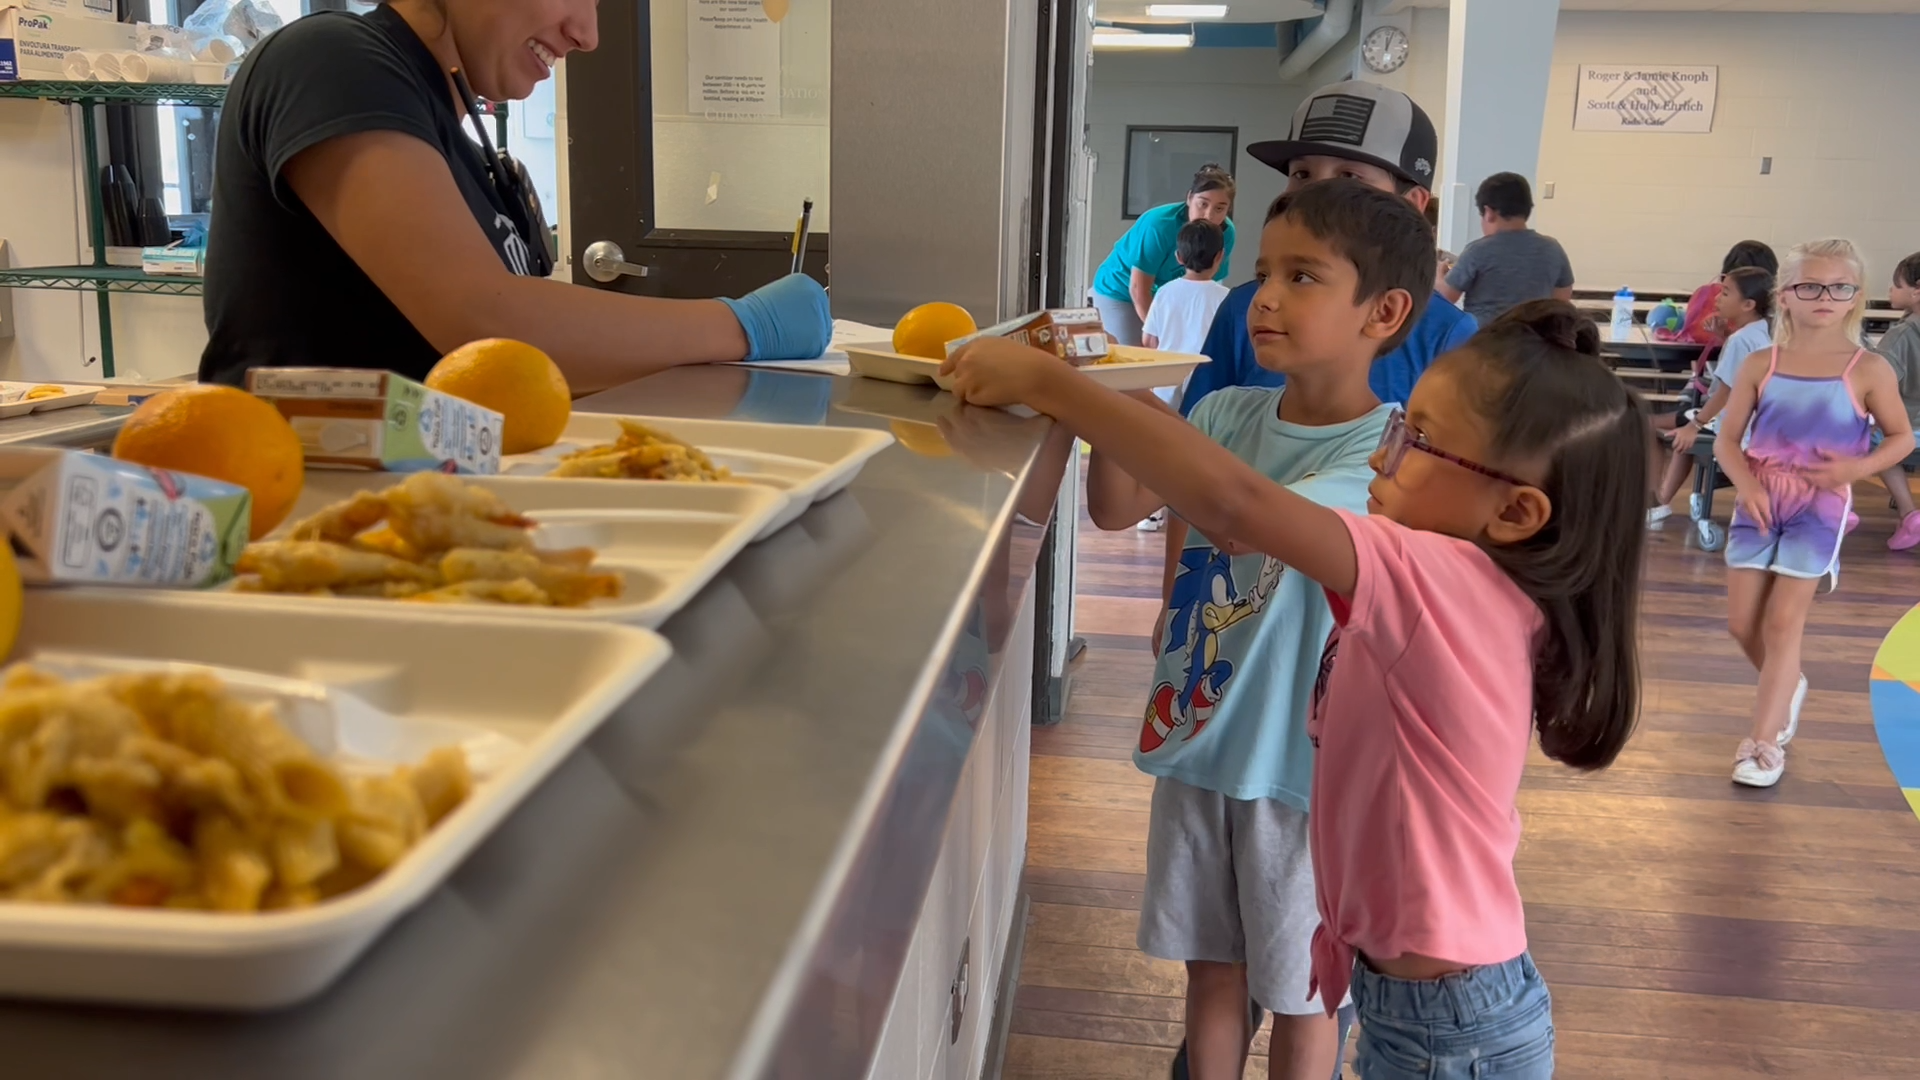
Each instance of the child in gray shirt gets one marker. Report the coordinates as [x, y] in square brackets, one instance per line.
[1511, 264]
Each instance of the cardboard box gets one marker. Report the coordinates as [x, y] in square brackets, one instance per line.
[92, 9]
[78, 517]
[1075, 335]
[174, 259]
[355, 418]
[35, 44]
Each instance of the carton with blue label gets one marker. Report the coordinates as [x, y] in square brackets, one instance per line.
[74, 517]
[358, 419]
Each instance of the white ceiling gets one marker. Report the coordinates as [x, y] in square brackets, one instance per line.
[1830, 7]
[1287, 10]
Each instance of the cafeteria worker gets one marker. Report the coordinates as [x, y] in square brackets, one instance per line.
[356, 224]
[1143, 259]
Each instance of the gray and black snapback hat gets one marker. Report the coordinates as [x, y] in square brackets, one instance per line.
[1359, 121]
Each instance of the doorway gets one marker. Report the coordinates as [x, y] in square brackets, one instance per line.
[696, 134]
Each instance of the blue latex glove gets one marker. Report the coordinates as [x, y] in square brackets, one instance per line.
[787, 320]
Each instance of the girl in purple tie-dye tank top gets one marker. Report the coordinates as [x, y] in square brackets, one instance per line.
[1806, 411]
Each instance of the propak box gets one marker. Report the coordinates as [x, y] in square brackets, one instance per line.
[34, 44]
[78, 517]
[355, 418]
[101, 10]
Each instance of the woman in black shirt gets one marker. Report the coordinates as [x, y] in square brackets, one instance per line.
[356, 225]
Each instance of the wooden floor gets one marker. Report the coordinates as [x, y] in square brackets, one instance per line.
[1689, 929]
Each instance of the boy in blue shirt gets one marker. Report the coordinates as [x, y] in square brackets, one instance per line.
[1379, 137]
[1344, 273]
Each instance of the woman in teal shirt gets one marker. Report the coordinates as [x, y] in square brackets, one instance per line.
[1143, 260]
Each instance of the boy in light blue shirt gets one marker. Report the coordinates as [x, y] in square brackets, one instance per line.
[1345, 271]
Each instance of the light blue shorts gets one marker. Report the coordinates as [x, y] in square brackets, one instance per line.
[1481, 1024]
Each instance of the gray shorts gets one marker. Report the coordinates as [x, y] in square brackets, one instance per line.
[1231, 881]
[1119, 318]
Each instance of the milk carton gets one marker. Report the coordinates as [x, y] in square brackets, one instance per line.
[78, 517]
[1073, 334]
[354, 418]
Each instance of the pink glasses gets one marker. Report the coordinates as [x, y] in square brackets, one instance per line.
[1400, 437]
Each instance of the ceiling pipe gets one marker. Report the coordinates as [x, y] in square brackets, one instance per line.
[1333, 27]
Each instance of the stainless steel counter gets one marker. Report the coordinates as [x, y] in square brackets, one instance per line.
[80, 426]
[721, 883]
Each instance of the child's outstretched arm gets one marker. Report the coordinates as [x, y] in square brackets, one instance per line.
[1201, 480]
[1115, 499]
[1880, 394]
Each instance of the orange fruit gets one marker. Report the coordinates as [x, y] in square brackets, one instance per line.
[10, 599]
[925, 331]
[515, 380]
[223, 434]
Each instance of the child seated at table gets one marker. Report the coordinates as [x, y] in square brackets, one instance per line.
[1901, 346]
[1745, 308]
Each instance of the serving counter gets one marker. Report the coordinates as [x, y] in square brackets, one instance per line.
[792, 854]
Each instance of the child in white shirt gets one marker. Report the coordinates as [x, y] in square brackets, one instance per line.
[1182, 310]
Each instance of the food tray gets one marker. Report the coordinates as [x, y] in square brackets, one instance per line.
[545, 689]
[1152, 370]
[668, 540]
[13, 398]
[807, 463]
[877, 360]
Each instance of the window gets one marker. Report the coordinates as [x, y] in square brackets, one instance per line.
[187, 136]
[1161, 162]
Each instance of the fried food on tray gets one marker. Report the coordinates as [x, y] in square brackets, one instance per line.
[1121, 354]
[641, 453]
[46, 391]
[304, 565]
[430, 539]
[165, 790]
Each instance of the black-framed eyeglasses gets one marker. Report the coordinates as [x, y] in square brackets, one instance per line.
[1814, 290]
[1401, 437]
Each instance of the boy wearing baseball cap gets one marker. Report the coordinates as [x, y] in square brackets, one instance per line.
[1381, 138]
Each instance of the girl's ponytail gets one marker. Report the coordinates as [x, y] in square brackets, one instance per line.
[1543, 389]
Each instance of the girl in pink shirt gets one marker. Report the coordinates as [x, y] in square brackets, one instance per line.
[1492, 592]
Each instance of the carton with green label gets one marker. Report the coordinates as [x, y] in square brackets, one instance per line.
[352, 418]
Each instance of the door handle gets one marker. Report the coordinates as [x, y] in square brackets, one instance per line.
[606, 263]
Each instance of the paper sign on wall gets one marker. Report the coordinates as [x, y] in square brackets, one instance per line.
[733, 59]
[1623, 97]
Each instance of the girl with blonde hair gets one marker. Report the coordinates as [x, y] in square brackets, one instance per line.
[1797, 434]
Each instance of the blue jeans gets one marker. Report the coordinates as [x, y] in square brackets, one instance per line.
[1483, 1023]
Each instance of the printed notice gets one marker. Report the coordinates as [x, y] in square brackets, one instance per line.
[733, 59]
[1616, 97]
